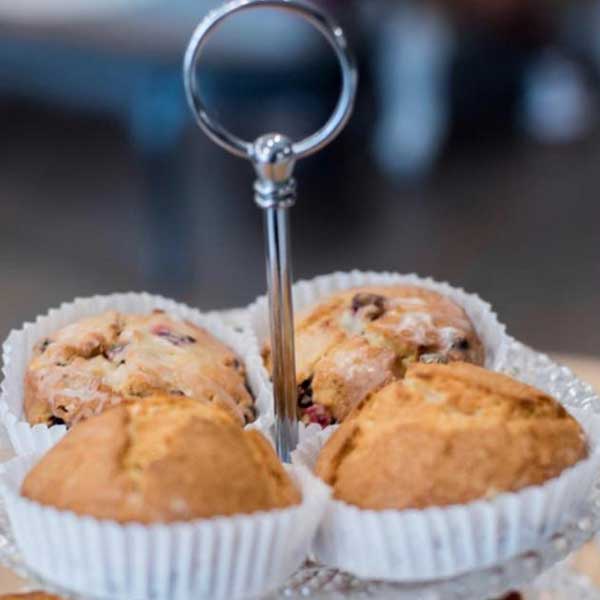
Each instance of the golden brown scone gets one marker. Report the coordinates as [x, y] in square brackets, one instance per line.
[163, 459]
[30, 596]
[97, 361]
[358, 340]
[448, 434]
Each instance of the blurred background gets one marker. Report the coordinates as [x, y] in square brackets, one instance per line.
[473, 155]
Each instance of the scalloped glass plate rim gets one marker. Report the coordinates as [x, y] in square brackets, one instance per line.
[316, 581]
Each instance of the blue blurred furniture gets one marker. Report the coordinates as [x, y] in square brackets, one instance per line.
[433, 70]
[128, 67]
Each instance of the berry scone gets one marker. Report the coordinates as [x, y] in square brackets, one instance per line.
[98, 361]
[358, 340]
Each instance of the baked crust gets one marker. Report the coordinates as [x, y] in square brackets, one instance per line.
[358, 340]
[448, 434]
[162, 459]
[96, 362]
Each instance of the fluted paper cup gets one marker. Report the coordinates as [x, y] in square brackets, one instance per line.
[221, 557]
[18, 347]
[439, 542]
[307, 293]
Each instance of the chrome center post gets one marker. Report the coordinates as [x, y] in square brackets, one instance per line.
[274, 156]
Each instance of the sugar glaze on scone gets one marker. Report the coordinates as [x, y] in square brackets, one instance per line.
[358, 340]
[97, 361]
[448, 434]
[161, 459]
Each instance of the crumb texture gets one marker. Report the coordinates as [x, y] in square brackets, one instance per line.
[359, 340]
[162, 459]
[98, 361]
[448, 434]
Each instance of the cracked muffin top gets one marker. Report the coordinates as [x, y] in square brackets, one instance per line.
[97, 361]
[358, 340]
[448, 434]
[161, 459]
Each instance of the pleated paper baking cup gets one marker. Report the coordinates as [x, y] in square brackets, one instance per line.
[221, 557]
[18, 347]
[433, 543]
[307, 293]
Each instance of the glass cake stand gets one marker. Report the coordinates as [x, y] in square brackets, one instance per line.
[544, 572]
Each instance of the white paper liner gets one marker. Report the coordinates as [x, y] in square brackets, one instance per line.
[221, 557]
[17, 350]
[306, 293]
[439, 542]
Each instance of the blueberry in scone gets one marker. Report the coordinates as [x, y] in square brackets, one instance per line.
[358, 340]
[96, 362]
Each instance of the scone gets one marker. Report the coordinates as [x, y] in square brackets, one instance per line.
[448, 434]
[358, 340]
[163, 459]
[97, 361]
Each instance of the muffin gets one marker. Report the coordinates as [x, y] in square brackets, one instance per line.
[359, 340]
[97, 361]
[448, 434]
[163, 459]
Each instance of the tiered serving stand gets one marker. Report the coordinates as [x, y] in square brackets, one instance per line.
[273, 157]
[542, 570]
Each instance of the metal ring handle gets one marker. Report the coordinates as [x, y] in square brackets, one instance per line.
[334, 35]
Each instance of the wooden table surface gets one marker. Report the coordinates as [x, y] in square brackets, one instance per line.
[587, 560]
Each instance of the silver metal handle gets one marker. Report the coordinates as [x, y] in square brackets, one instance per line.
[274, 157]
[321, 21]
